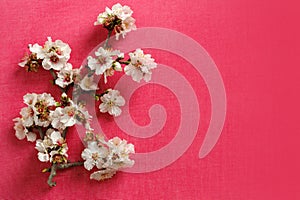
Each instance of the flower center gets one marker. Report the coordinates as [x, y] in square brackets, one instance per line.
[68, 78]
[102, 60]
[111, 103]
[71, 113]
[138, 64]
[115, 156]
[95, 156]
[111, 21]
[54, 59]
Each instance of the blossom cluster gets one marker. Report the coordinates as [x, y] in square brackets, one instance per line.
[44, 114]
[107, 156]
[43, 111]
[118, 18]
[106, 61]
[52, 148]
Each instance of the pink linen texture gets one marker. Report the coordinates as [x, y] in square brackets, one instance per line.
[255, 45]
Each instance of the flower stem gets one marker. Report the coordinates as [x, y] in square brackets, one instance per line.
[50, 181]
[107, 39]
[65, 133]
[40, 132]
[124, 62]
[55, 167]
[67, 165]
[53, 74]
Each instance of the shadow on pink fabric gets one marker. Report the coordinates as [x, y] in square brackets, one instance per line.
[255, 45]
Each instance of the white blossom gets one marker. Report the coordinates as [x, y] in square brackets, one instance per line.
[119, 151]
[104, 60]
[63, 117]
[88, 84]
[65, 76]
[118, 18]
[30, 99]
[127, 25]
[27, 114]
[122, 12]
[140, 66]
[22, 131]
[103, 174]
[54, 54]
[69, 116]
[41, 109]
[116, 66]
[94, 155]
[38, 50]
[111, 102]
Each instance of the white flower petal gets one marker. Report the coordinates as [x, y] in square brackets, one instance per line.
[86, 154]
[89, 164]
[43, 157]
[31, 137]
[102, 174]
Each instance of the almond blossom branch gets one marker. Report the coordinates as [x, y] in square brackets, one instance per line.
[52, 118]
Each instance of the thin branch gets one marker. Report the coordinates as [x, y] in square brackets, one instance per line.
[65, 133]
[52, 175]
[124, 62]
[52, 72]
[107, 39]
[55, 167]
[40, 132]
[67, 165]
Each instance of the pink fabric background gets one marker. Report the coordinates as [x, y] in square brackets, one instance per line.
[255, 45]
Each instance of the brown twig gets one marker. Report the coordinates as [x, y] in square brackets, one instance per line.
[107, 39]
[50, 181]
[55, 167]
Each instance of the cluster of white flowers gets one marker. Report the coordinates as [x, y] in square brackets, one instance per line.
[63, 117]
[55, 55]
[140, 66]
[52, 56]
[105, 62]
[118, 18]
[41, 111]
[37, 113]
[66, 76]
[107, 156]
[52, 148]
